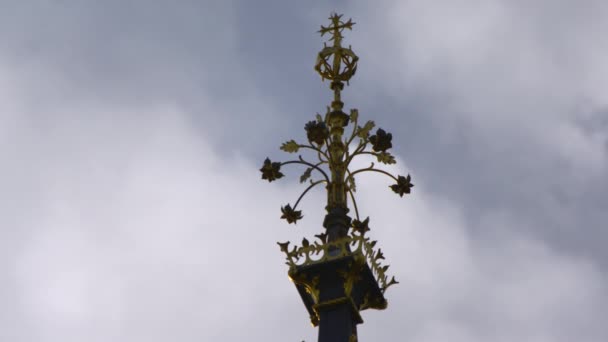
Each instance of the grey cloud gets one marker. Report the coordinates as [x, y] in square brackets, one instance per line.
[483, 100]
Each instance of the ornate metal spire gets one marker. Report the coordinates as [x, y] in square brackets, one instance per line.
[334, 151]
[326, 139]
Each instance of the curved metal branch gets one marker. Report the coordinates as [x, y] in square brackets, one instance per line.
[321, 159]
[316, 166]
[350, 191]
[312, 185]
[318, 150]
[349, 176]
[375, 154]
[353, 134]
[371, 168]
[359, 150]
[352, 196]
[303, 162]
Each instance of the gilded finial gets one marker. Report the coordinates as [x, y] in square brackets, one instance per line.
[344, 63]
[334, 151]
[336, 28]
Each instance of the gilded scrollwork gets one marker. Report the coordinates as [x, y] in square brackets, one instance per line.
[356, 244]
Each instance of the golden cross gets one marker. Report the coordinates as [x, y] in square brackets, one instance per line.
[337, 27]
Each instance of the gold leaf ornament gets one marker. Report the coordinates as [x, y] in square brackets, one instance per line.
[363, 132]
[386, 158]
[354, 115]
[305, 175]
[291, 146]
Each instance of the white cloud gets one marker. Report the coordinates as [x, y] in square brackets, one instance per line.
[500, 285]
[150, 234]
[508, 74]
[127, 224]
[130, 227]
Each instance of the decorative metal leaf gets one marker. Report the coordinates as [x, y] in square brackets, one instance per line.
[360, 226]
[305, 175]
[363, 132]
[381, 141]
[291, 146]
[271, 170]
[386, 158]
[404, 185]
[322, 237]
[284, 246]
[316, 132]
[305, 243]
[392, 282]
[379, 255]
[351, 184]
[291, 215]
[354, 115]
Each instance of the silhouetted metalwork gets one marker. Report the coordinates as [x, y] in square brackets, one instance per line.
[343, 256]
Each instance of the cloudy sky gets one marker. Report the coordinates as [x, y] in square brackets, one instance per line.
[131, 134]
